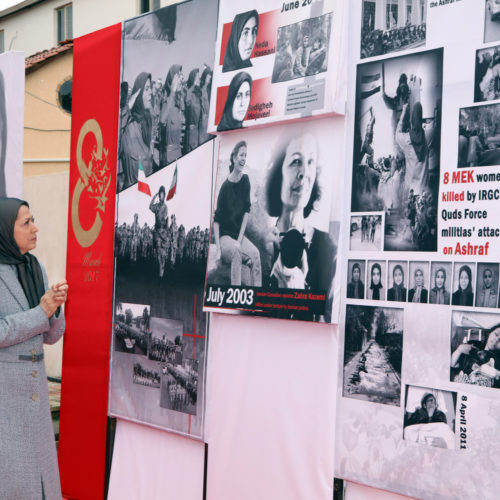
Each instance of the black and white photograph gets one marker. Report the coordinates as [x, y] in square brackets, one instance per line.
[376, 280]
[429, 416]
[463, 283]
[373, 352]
[475, 348]
[356, 272]
[237, 101]
[391, 25]
[271, 229]
[487, 284]
[366, 232]
[397, 143]
[479, 136]
[491, 21]
[397, 281]
[418, 282]
[441, 283]
[302, 49]
[487, 74]
[165, 87]
[132, 328]
[161, 248]
[144, 374]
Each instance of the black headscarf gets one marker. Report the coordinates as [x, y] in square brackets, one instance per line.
[227, 121]
[232, 59]
[28, 268]
[139, 113]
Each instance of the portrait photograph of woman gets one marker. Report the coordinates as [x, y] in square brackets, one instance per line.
[440, 282]
[462, 284]
[419, 282]
[375, 289]
[241, 41]
[237, 102]
[356, 278]
[487, 284]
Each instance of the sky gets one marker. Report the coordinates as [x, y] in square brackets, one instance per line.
[5, 4]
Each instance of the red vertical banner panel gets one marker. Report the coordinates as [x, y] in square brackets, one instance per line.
[92, 186]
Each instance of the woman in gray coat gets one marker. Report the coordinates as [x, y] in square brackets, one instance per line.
[30, 315]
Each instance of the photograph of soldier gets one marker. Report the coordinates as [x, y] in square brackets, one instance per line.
[419, 282]
[164, 106]
[463, 280]
[479, 136]
[475, 349]
[356, 278]
[390, 25]
[487, 284]
[397, 147]
[397, 281]
[302, 49]
[440, 283]
[373, 352]
[366, 232]
[429, 417]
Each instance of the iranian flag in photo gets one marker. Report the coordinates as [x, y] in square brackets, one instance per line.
[142, 185]
[173, 185]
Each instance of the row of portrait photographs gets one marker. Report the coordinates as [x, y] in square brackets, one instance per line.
[412, 282]
[271, 227]
[397, 144]
[389, 26]
[164, 107]
[479, 136]
[475, 348]
[155, 355]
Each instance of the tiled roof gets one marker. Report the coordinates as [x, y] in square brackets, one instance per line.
[44, 55]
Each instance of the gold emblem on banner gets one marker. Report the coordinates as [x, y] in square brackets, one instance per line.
[95, 178]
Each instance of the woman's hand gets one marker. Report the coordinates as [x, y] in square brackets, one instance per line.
[54, 298]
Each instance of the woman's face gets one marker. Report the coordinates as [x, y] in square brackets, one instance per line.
[375, 275]
[419, 278]
[487, 278]
[355, 275]
[440, 279]
[241, 102]
[25, 230]
[397, 276]
[247, 39]
[299, 172]
[240, 158]
[146, 94]
[493, 341]
[430, 404]
[463, 279]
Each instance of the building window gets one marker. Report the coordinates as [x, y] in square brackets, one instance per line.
[2, 42]
[64, 22]
[148, 5]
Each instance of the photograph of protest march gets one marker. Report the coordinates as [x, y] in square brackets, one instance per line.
[302, 49]
[479, 136]
[397, 143]
[429, 416]
[475, 348]
[271, 226]
[373, 353]
[391, 25]
[165, 87]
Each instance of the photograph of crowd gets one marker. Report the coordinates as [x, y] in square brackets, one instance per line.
[479, 136]
[366, 232]
[396, 159]
[429, 417]
[165, 88]
[302, 49]
[179, 389]
[373, 352]
[271, 225]
[132, 328]
[388, 26]
[143, 376]
[475, 348]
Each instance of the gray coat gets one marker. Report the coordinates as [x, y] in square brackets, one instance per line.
[27, 447]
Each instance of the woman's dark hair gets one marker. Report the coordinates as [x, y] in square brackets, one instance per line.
[487, 331]
[274, 180]
[469, 275]
[174, 70]
[376, 266]
[425, 397]
[204, 75]
[139, 113]
[358, 267]
[192, 77]
[234, 152]
[227, 121]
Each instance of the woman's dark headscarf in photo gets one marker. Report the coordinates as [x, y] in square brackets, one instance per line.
[28, 269]
[192, 77]
[376, 288]
[232, 59]
[139, 113]
[174, 69]
[3, 137]
[227, 121]
[417, 134]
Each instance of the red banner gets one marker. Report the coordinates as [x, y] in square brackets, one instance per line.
[92, 186]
